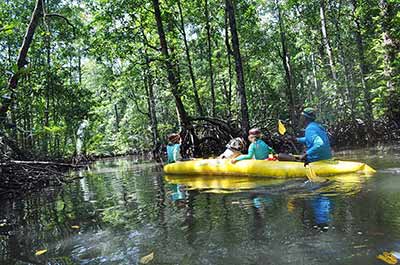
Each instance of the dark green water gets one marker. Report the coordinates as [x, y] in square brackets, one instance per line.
[121, 211]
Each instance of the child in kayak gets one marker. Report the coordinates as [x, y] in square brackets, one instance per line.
[233, 149]
[258, 149]
[174, 148]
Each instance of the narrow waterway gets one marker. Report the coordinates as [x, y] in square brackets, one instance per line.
[123, 210]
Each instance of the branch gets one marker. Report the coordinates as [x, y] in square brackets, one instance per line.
[49, 163]
[62, 17]
[217, 122]
[133, 97]
[153, 47]
[5, 28]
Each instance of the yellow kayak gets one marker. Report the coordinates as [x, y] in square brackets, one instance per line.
[264, 168]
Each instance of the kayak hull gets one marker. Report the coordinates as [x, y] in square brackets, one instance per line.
[264, 168]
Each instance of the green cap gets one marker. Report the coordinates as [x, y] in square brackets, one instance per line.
[309, 113]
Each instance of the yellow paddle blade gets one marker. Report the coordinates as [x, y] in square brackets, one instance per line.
[281, 127]
[312, 176]
[40, 252]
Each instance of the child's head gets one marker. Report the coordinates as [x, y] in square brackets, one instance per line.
[254, 135]
[174, 138]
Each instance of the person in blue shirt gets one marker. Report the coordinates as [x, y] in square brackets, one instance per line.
[316, 139]
[258, 149]
[174, 148]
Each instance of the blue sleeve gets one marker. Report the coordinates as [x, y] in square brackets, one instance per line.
[317, 143]
[249, 155]
[177, 152]
[301, 140]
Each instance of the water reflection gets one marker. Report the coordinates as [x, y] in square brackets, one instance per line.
[322, 207]
[127, 210]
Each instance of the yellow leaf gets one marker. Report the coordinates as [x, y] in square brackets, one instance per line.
[147, 259]
[388, 258]
[75, 227]
[40, 252]
[281, 127]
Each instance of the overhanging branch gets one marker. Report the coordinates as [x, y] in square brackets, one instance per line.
[62, 17]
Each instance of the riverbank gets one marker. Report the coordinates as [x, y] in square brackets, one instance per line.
[20, 177]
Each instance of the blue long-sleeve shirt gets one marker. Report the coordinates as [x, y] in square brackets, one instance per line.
[317, 142]
[258, 150]
[173, 152]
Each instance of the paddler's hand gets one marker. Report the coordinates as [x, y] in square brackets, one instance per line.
[303, 157]
[233, 161]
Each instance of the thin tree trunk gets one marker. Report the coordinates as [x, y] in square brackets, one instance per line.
[363, 65]
[116, 117]
[228, 54]
[171, 69]
[21, 59]
[393, 96]
[209, 54]
[191, 72]
[325, 39]
[48, 88]
[316, 82]
[290, 85]
[348, 78]
[149, 84]
[241, 90]
[184, 120]
[344, 90]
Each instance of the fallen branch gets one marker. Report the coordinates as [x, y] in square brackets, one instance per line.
[39, 163]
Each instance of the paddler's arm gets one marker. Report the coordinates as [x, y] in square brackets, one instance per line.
[301, 140]
[271, 150]
[317, 143]
[249, 155]
[177, 153]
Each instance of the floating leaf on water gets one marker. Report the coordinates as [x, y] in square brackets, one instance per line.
[40, 252]
[75, 227]
[387, 257]
[147, 259]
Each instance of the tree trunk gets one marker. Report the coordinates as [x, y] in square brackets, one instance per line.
[228, 54]
[344, 91]
[191, 72]
[363, 65]
[325, 39]
[241, 90]
[393, 96]
[184, 121]
[47, 99]
[171, 69]
[209, 54]
[151, 104]
[290, 85]
[116, 117]
[23, 52]
[349, 81]
[317, 85]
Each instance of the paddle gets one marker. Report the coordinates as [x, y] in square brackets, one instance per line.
[311, 175]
